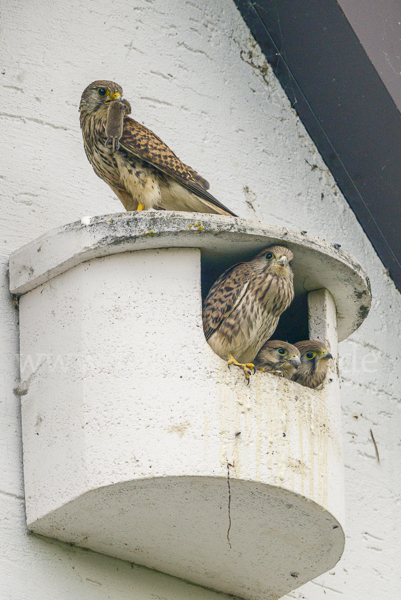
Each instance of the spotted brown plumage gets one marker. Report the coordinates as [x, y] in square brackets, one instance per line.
[143, 172]
[314, 363]
[243, 307]
[278, 357]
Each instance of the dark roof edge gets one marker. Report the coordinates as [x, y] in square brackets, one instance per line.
[344, 105]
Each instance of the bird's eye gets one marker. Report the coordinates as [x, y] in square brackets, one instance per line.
[281, 351]
[102, 92]
[310, 355]
[269, 256]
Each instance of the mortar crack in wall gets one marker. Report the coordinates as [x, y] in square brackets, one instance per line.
[229, 502]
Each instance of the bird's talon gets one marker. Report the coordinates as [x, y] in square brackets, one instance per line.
[248, 368]
[140, 207]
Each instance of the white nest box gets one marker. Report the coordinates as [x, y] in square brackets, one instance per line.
[139, 442]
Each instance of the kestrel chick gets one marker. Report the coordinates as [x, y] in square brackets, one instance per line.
[314, 363]
[142, 171]
[278, 357]
[115, 121]
[243, 306]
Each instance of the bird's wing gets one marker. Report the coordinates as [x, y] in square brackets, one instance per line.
[224, 295]
[143, 143]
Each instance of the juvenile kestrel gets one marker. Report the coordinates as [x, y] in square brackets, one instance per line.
[115, 122]
[278, 357]
[143, 172]
[314, 363]
[243, 306]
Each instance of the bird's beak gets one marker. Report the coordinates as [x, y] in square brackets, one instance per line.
[295, 362]
[115, 96]
[283, 261]
[327, 355]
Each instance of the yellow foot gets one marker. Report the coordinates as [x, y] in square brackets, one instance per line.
[272, 371]
[140, 207]
[248, 368]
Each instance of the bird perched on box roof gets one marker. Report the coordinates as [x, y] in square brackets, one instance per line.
[314, 363]
[280, 358]
[243, 306]
[143, 172]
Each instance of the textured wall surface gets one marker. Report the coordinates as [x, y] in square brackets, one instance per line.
[193, 75]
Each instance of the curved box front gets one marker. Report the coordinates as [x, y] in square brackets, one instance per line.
[140, 443]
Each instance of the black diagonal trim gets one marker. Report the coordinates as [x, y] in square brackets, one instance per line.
[343, 104]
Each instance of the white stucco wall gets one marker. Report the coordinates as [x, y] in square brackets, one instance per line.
[190, 71]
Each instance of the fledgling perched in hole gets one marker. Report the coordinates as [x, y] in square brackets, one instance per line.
[314, 363]
[243, 306]
[279, 358]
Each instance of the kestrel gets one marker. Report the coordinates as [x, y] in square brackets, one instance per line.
[314, 363]
[115, 122]
[278, 357]
[142, 171]
[243, 306]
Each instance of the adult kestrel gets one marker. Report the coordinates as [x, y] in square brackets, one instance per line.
[314, 363]
[278, 357]
[143, 172]
[243, 306]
